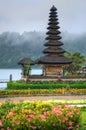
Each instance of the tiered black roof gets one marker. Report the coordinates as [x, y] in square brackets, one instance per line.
[25, 61]
[54, 52]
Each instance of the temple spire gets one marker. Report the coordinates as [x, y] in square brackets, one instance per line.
[53, 34]
[53, 59]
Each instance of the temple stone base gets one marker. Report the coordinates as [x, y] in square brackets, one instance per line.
[54, 79]
[51, 74]
[41, 78]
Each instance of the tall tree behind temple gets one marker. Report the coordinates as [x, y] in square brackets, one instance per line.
[78, 61]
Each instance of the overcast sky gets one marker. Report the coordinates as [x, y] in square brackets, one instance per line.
[30, 15]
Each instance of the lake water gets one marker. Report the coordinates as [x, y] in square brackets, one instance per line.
[16, 75]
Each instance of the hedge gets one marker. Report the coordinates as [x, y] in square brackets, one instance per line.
[44, 85]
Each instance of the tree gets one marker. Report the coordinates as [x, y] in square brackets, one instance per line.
[26, 69]
[78, 61]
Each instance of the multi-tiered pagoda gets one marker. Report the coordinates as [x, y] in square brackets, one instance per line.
[53, 59]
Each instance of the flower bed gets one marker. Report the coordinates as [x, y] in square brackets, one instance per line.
[36, 92]
[38, 115]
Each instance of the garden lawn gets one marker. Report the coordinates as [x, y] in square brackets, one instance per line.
[84, 117]
[83, 121]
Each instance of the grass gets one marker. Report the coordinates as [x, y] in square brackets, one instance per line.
[84, 117]
[75, 102]
[83, 121]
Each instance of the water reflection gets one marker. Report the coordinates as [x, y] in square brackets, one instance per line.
[5, 74]
[3, 86]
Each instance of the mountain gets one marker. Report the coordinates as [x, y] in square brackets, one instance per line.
[15, 46]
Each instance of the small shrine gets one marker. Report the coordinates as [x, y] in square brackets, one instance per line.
[53, 59]
[26, 66]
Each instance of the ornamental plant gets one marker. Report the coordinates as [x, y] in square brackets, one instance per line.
[38, 115]
[36, 92]
[45, 85]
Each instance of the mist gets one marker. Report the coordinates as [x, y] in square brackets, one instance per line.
[15, 46]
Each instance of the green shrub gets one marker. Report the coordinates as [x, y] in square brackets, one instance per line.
[44, 85]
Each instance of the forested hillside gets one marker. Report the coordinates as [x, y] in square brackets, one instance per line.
[14, 46]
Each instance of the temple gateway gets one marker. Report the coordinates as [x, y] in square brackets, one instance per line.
[53, 59]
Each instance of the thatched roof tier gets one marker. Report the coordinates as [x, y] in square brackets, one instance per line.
[53, 22]
[53, 8]
[53, 13]
[53, 19]
[53, 16]
[25, 61]
[56, 51]
[53, 59]
[53, 38]
[53, 27]
[53, 44]
[53, 32]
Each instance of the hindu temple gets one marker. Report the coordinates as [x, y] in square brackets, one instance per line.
[54, 59]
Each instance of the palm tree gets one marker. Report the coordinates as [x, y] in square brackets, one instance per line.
[78, 61]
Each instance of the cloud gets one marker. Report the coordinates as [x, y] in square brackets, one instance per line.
[27, 15]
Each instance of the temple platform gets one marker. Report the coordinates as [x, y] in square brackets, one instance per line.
[54, 79]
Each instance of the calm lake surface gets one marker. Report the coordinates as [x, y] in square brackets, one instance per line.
[16, 75]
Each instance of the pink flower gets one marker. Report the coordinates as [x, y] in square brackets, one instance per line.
[11, 113]
[71, 114]
[8, 128]
[31, 115]
[18, 123]
[33, 127]
[70, 128]
[64, 119]
[46, 113]
[70, 123]
[1, 123]
[13, 124]
[41, 116]
[56, 111]
[28, 119]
